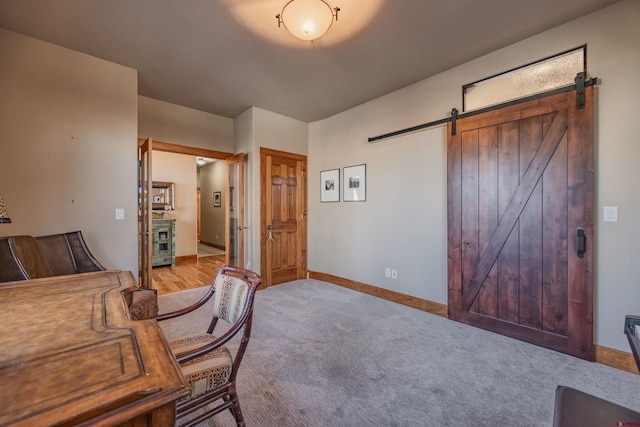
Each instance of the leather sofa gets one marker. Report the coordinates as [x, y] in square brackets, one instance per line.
[26, 257]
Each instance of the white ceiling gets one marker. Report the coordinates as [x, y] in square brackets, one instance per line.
[224, 56]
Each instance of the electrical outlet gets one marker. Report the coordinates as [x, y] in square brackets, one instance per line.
[394, 274]
[387, 272]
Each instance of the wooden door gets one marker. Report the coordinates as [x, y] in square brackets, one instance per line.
[520, 232]
[234, 211]
[144, 209]
[283, 216]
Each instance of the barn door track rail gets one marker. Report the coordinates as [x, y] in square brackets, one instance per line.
[580, 83]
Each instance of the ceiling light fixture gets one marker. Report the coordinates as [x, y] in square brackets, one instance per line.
[307, 19]
[200, 161]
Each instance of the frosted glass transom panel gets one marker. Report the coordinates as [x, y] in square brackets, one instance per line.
[542, 76]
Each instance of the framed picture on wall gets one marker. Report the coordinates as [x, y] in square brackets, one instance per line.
[217, 199]
[330, 185]
[355, 183]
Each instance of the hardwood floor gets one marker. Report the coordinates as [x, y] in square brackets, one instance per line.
[187, 274]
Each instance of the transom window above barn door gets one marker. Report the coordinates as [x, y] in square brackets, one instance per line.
[541, 76]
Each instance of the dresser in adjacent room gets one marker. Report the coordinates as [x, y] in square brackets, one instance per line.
[164, 242]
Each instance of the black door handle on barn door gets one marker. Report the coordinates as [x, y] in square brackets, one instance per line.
[581, 243]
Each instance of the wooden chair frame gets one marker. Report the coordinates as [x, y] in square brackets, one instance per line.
[227, 392]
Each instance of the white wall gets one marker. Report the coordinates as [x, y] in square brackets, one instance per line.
[401, 225]
[403, 222]
[68, 148]
[257, 128]
[181, 170]
[179, 125]
[175, 124]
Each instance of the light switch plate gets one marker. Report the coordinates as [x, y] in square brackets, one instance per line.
[610, 214]
[119, 213]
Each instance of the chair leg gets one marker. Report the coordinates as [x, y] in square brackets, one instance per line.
[235, 407]
[237, 414]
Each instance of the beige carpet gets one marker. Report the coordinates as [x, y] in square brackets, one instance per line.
[323, 355]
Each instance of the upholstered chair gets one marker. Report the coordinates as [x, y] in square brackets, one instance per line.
[207, 363]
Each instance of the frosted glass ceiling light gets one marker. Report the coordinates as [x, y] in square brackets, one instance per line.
[307, 19]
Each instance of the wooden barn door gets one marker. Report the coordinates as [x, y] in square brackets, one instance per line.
[520, 233]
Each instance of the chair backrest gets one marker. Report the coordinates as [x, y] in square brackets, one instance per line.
[67, 254]
[233, 290]
[10, 268]
[233, 293]
[27, 255]
[230, 297]
[85, 261]
[56, 252]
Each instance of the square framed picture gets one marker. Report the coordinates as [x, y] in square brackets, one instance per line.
[217, 199]
[355, 183]
[330, 185]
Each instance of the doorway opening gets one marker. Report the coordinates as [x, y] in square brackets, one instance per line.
[187, 258]
[211, 231]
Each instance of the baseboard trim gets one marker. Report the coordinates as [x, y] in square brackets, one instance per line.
[213, 245]
[408, 300]
[604, 355]
[616, 359]
[187, 258]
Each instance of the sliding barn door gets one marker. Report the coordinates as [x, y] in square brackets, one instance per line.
[520, 233]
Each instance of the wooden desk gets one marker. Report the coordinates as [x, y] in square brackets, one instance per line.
[70, 355]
